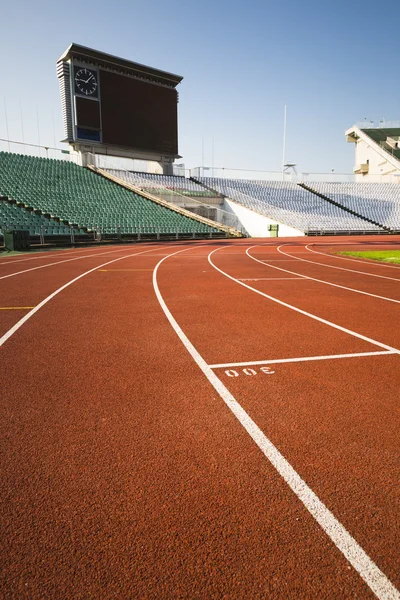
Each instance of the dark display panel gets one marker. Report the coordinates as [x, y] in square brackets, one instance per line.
[87, 113]
[137, 114]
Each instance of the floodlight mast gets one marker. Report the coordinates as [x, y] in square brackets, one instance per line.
[284, 143]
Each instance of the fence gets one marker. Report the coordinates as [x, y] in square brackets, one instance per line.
[38, 151]
[257, 175]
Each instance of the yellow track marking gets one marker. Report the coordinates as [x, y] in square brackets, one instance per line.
[16, 307]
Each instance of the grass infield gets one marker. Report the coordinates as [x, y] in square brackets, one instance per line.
[389, 256]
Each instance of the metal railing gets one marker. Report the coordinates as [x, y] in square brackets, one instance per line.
[37, 151]
[176, 196]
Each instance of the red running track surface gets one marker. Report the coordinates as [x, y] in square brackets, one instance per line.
[125, 474]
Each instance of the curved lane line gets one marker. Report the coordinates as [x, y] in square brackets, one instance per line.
[343, 287]
[299, 310]
[363, 262]
[376, 580]
[43, 254]
[334, 267]
[30, 314]
[60, 262]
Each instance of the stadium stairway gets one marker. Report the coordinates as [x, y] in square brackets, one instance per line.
[230, 231]
[345, 208]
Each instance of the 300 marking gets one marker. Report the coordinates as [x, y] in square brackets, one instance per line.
[249, 372]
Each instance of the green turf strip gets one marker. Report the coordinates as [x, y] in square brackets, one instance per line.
[389, 256]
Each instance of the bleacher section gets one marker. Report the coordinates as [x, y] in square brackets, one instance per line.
[152, 183]
[14, 217]
[377, 201]
[289, 204]
[81, 197]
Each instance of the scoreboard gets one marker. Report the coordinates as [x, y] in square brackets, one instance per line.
[118, 107]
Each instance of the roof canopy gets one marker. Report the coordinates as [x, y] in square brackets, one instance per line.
[121, 65]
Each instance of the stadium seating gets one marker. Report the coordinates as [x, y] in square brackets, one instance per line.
[14, 217]
[152, 183]
[377, 201]
[81, 197]
[289, 204]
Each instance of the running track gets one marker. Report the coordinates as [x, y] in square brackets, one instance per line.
[200, 420]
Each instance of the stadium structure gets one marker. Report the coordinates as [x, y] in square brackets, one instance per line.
[117, 112]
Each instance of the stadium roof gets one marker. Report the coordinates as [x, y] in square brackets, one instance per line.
[108, 61]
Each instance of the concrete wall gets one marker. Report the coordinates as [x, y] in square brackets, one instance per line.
[257, 225]
[380, 169]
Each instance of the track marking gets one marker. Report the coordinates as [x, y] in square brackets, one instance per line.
[300, 359]
[60, 262]
[363, 262]
[299, 310]
[376, 580]
[30, 314]
[334, 267]
[122, 270]
[273, 279]
[16, 307]
[320, 280]
[44, 254]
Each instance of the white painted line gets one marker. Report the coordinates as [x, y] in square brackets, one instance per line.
[301, 359]
[273, 279]
[339, 268]
[375, 579]
[276, 259]
[299, 310]
[60, 262]
[30, 314]
[363, 262]
[12, 260]
[320, 280]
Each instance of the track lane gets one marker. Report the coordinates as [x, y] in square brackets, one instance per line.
[36, 287]
[44, 254]
[373, 265]
[371, 317]
[386, 551]
[125, 476]
[387, 289]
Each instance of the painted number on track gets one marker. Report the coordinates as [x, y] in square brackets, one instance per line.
[249, 372]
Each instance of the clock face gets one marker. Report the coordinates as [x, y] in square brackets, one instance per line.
[86, 82]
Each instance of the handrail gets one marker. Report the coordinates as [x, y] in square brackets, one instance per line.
[230, 230]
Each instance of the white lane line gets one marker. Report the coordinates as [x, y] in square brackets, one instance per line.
[273, 279]
[59, 262]
[44, 254]
[276, 259]
[335, 267]
[375, 579]
[363, 262]
[320, 280]
[30, 314]
[302, 312]
[301, 359]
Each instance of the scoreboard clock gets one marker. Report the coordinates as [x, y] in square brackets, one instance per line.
[86, 82]
[117, 107]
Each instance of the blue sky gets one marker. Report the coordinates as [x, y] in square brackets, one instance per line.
[332, 64]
